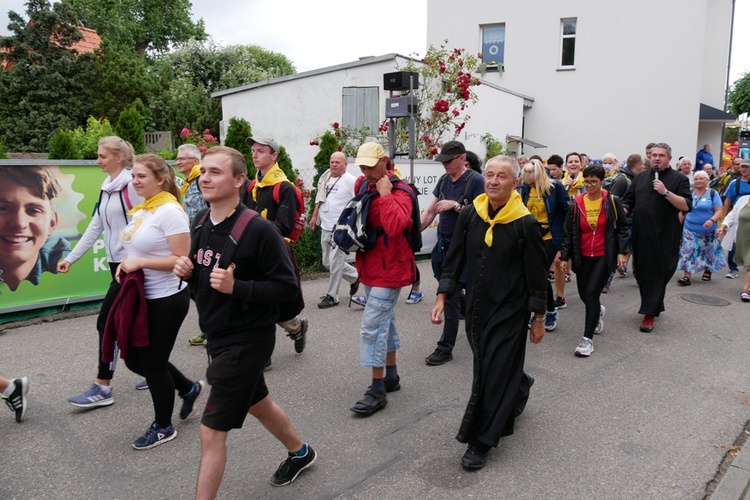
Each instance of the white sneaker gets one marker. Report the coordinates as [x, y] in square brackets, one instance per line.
[600, 324]
[585, 347]
[732, 274]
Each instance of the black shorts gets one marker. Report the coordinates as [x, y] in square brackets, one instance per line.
[236, 378]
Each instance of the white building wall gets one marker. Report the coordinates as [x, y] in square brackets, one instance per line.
[637, 76]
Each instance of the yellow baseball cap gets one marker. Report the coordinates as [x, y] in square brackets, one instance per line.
[369, 154]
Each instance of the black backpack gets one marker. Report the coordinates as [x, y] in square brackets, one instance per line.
[351, 233]
[287, 309]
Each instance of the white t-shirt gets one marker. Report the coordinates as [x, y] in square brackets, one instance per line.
[146, 237]
[340, 190]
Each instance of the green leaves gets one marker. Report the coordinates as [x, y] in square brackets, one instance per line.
[739, 96]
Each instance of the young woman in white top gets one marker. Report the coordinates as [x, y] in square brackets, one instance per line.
[117, 197]
[158, 234]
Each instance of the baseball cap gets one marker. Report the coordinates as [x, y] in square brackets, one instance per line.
[265, 141]
[369, 154]
[450, 150]
[745, 163]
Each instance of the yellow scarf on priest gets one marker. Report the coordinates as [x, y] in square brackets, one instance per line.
[195, 172]
[512, 210]
[152, 203]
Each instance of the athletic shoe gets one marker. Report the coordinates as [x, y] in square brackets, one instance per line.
[198, 340]
[745, 296]
[292, 466]
[474, 457]
[560, 303]
[353, 288]
[585, 347]
[93, 398]
[17, 399]
[438, 358]
[648, 323]
[188, 400]
[567, 278]
[414, 297]
[142, 385]
[600, 324]
[551, 276]
[550, 322]
[155, 436]
[608, 283]
[327, 302]
[360, 300]
[300, 338]
[732, 274]
[622, 270]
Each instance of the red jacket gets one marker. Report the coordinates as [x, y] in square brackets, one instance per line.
[127, 321]
[390, 262]
[592, 241]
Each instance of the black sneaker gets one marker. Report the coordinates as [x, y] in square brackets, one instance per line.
[292, 466]
[474, 457]
[188, 400]
[560, 303]
[354, 288]
[438, 358]
[300, 338]
[327, 302]
[17, 399]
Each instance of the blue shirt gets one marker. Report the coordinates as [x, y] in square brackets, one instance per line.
[703, 209]
[731, 191]
[452, 191]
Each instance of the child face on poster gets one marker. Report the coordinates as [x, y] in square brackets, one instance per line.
[27, 219]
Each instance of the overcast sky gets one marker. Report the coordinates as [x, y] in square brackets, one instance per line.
[327, 32]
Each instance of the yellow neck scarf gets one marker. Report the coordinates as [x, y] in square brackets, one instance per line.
[155, 201]
[195, 172]
[272, 177]
[512, 210]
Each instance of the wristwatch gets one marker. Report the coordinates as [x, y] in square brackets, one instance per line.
[666, 193]
[540, 319]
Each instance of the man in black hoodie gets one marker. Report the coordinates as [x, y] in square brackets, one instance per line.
[237, 311]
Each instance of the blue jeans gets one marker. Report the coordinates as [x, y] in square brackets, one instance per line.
[378, 334]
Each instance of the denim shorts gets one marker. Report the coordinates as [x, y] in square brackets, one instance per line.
[378, 334]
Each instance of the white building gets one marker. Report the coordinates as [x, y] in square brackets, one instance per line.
[606, 76]
[297, 108]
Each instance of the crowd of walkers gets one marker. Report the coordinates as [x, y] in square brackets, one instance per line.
[508, 239]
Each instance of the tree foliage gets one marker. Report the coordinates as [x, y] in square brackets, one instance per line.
[146, 26]
[48, 86]
[739, 96]
[130, 126]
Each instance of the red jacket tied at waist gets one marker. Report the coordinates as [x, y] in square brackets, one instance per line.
[127, 321]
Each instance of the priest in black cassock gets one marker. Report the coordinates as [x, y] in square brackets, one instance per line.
[655, 199]
[501, 244]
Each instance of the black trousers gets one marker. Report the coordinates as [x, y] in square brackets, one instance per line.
[107, 370]
[591, 278]
[165, 316]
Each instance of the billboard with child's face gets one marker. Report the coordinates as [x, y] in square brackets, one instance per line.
[44, 211]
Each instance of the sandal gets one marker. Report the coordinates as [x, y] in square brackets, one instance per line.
[745, 296]
[684, 281]
[706, 275]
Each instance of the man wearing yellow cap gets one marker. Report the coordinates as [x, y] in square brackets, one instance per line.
[501, 244]
[383, 269]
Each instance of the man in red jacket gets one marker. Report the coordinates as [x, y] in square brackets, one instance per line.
[383, 269]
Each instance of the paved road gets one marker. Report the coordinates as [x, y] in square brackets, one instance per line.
[646, 416]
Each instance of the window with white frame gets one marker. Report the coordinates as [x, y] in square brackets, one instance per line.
[359, 107]
[493, 45]
[568, 42]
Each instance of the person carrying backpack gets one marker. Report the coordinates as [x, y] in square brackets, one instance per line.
[237, 293]
[281, 213]
[384, 268]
